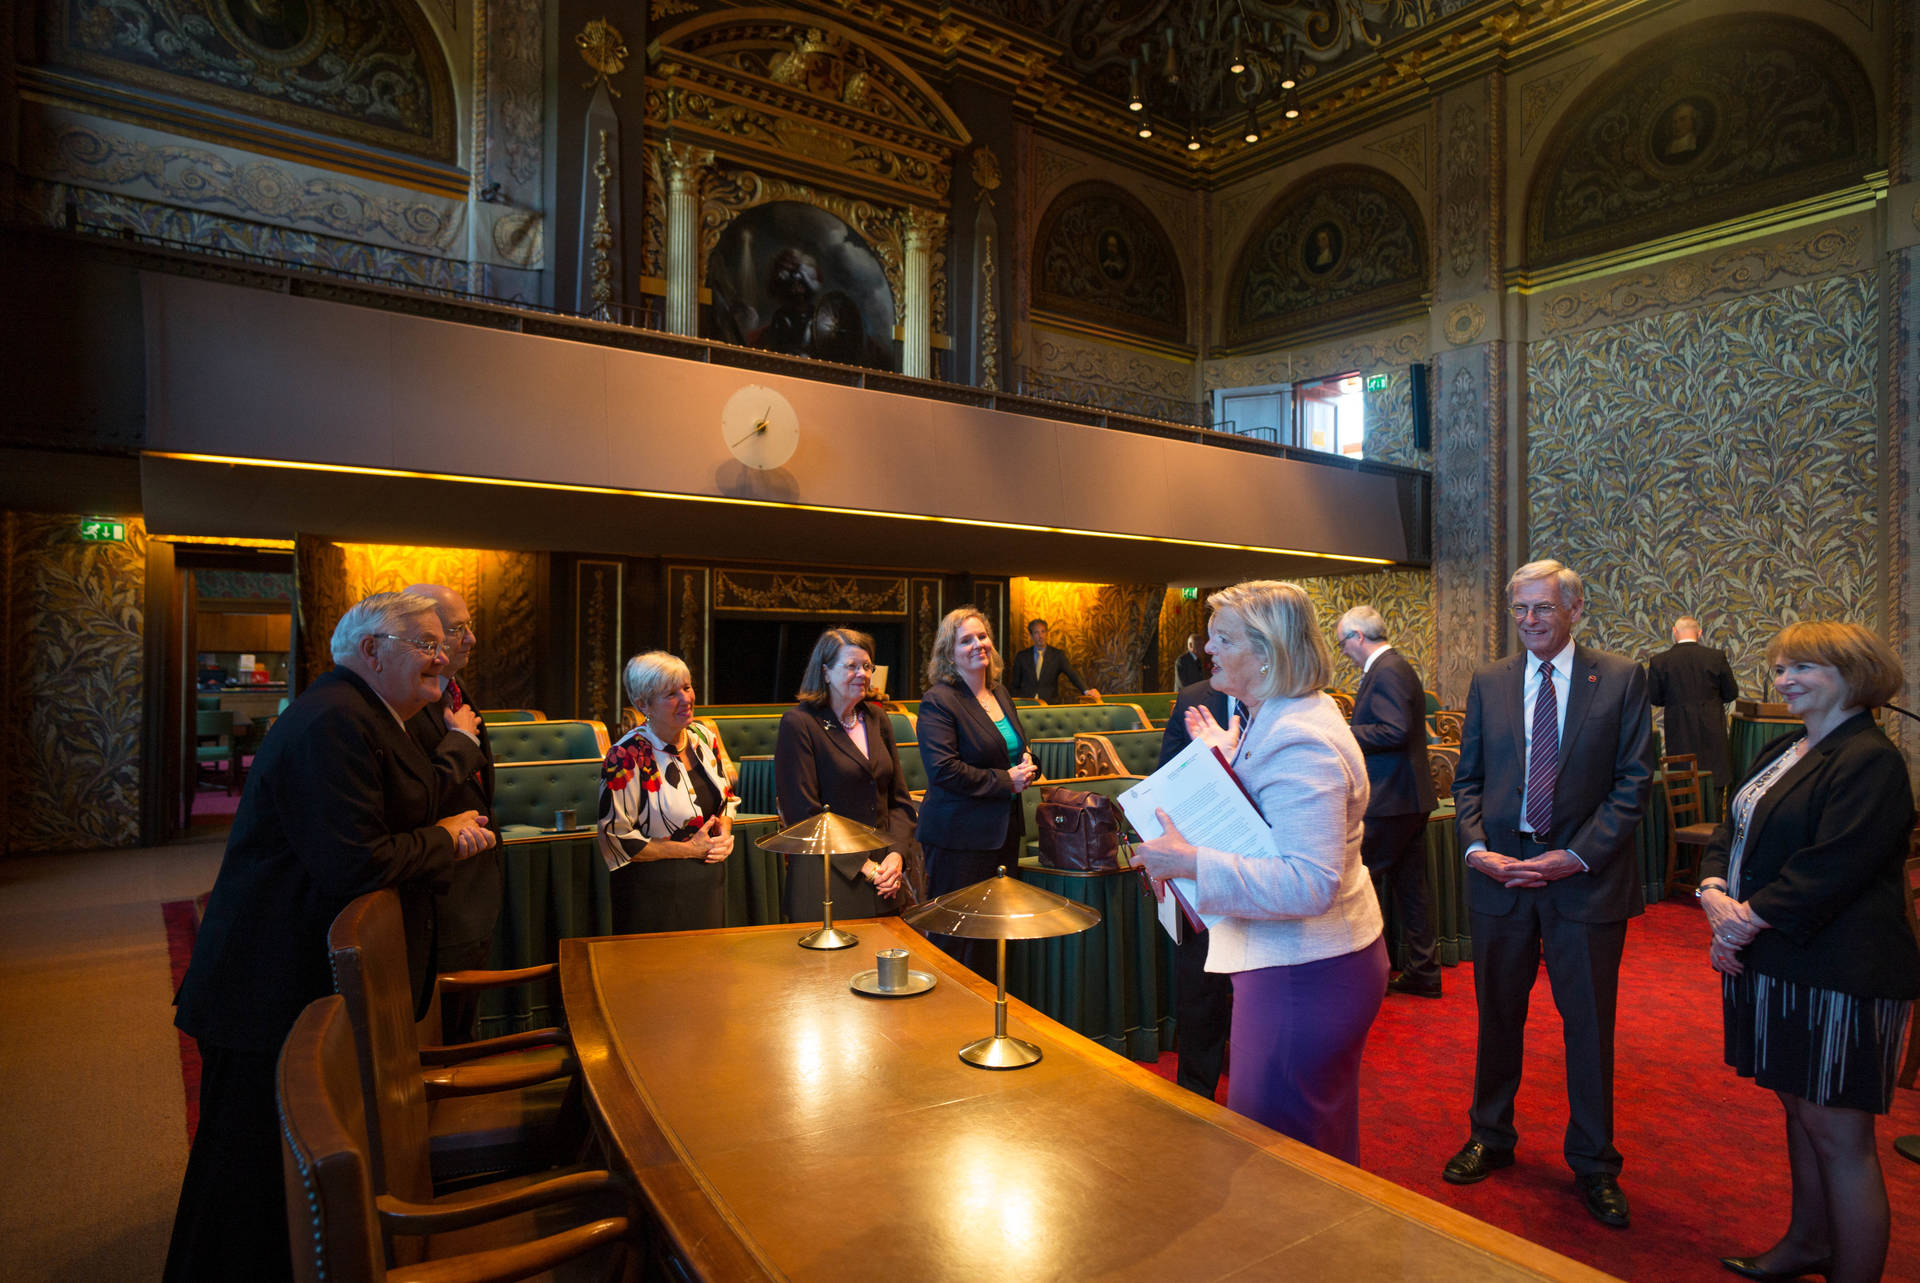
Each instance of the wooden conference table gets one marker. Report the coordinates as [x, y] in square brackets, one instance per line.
[780, 1125]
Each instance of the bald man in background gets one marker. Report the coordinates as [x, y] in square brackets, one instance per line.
[467, 905]
[1693, 683]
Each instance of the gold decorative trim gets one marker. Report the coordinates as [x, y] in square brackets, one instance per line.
[776, 593]
[1739, 271]
[989, 322]
[604, 49]
[1464, 324]
[602, 236]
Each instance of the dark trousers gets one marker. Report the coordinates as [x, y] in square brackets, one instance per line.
[1202, 1014]
[460, 1012]
[1394, 849]
[232, 1220]
[1583, 967]
[949, 869]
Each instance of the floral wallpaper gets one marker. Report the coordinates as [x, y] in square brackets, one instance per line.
[1404, 599]
[73, 679]
[1107, 630]
[1721, 462]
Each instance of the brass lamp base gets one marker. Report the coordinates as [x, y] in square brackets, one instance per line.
[829, 937]
[1000, 1052]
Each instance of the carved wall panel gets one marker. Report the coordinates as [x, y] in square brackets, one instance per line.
[1722, 462]
[319, 599]
[599, 649]
[927, 598]
[1341, 245]
[368, 70]
[1107, 630]
[1712, 121]
[778, 592]
[1469, 527]
[72, 672]
[1087, 371]
[690, 621]
[1101, 256]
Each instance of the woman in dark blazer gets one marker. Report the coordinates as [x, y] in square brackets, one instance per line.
[835, 752]
[1804, 888]
[977, 764]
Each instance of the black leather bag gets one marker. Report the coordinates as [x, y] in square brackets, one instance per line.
[1079, 832]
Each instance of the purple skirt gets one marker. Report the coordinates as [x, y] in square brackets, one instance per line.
[1298, 1032]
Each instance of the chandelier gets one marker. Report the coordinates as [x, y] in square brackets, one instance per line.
[1230, 64]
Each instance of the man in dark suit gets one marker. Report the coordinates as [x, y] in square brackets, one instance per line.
[1552, 782]
[467, 906]
[340, 801]
[1694, 683]
[1191, 667]
[1203, 1000]
[1038, 669]
[1390, 722]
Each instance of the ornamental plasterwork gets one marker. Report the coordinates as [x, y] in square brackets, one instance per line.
[1408, 149]
[1464, 324]
[1395, 347]
[1538, 96]
[1744, 270]
[157, 166]
[771, 591]
[1115, 366]
[729, 192]
[1051, 167]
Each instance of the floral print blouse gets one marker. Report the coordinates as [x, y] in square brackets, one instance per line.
[645, 794]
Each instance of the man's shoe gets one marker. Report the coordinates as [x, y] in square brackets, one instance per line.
[1474, 1163]
[1403, 983]
[1602, 1194]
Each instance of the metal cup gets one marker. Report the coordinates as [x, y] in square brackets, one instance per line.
[565, 819]
[892, 966]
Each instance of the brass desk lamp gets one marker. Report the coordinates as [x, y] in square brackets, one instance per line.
[826, 835]
[1001, 909]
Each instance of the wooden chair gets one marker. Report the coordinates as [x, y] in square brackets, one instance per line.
[1443, 760]
[447, 1113]
[1686, 822]
[1448, 724]
[339, 1226]
[1345, 703]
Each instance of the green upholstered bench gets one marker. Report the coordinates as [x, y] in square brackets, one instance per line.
[495, 716]
[913, 768]
[1117, 752]
[756, 786]
[1157, 705]
[1064, 721]
[566, 741]
[744, 710]
[1055, 757]
[746, 735]
[526, 794]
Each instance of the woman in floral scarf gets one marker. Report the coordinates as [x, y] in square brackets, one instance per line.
[666, 813]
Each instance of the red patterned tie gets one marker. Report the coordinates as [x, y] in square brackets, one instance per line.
[1543, 758]
[455, 700]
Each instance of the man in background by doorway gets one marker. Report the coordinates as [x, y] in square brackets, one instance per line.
[1038, 669]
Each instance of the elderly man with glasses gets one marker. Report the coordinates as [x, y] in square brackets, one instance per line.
[340, 801]
[1553, 779]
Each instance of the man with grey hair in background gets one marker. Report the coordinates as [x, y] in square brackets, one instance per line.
[1693, 683]
[1553, 780]
[467, 906]
[1390, 722]
[340, 801]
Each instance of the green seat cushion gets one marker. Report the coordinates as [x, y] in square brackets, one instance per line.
[563, 741]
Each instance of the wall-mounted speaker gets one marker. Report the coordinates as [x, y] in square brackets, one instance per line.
[1422, 407]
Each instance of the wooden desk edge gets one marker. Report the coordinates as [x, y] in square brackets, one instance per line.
[717, 1247]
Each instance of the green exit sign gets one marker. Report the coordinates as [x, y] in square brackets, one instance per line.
[1190, 594]
[1376, 383]
[103, 530]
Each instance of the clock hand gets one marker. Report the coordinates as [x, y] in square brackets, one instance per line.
[757, 428]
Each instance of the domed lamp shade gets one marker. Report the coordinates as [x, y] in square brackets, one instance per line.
[826, 835]
[1001, 909]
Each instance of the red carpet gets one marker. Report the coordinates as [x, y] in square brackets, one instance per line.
[1705, 1151]
[183, 923]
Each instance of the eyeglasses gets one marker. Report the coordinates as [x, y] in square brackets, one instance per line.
[432, 650]
[1543, 610]
[457, 631]
[856, 666]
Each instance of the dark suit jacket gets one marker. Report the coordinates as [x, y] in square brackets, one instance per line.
[467, 906]
[1694, 683]
[1601, 791]
[1825, 866]
[1188, 669]
[340, 801]
[1390, 722]
[970, 803]
[1175, 737]
[1044, 684]
[817, 765]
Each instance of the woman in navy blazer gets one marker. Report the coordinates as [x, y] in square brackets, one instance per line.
[1804, 885]
[977, 764]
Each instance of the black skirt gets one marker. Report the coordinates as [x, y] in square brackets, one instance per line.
[1827, 1048]
[668, 895]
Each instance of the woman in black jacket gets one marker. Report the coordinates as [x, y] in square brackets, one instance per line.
[977, 764]
[1804, 888]
[835, 751]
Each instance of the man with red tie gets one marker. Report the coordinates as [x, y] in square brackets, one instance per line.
[467, 906]
[1553, 779]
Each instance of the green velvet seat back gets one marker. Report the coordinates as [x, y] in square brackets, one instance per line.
[526, 794]
[547, 741]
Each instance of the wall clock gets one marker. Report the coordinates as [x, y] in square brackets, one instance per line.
[759, 427]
